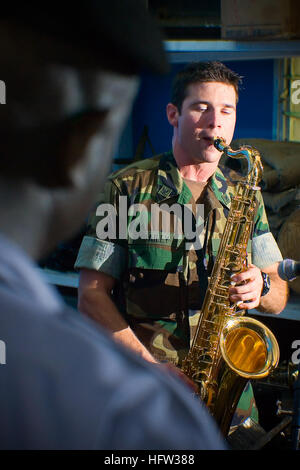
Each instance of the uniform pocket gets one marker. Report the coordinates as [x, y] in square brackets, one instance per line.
[153, 283]
[161, 254]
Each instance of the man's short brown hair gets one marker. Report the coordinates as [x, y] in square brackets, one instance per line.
[198, 72]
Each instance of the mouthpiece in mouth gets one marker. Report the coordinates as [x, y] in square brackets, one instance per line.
[219, 143]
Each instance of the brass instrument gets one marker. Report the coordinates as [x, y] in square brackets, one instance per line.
[228, 349]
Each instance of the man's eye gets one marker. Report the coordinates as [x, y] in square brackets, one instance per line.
[201, 109]
[227, 110]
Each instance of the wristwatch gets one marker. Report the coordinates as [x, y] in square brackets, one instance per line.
[266, 284]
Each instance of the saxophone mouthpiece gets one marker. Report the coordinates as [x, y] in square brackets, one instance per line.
[219, 143]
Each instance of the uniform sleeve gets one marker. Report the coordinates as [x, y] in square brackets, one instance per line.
[265, 250]
[101, 248]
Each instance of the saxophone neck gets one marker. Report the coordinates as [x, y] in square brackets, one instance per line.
[252, 156]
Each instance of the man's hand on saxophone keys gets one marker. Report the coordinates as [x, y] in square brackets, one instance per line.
[246, 288]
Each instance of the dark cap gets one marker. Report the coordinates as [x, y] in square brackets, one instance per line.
[120, 34]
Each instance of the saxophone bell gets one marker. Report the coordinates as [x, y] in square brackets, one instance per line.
[249, 347]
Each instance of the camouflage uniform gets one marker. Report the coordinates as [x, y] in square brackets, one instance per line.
[162, 283]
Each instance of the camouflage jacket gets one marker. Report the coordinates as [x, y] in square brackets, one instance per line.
[161, 282]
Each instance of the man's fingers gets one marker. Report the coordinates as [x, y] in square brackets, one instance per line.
[250, 274]
[247, 296]
[176, 371]
[248, 305]
[244, 288]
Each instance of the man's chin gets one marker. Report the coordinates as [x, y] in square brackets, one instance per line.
[211, 156]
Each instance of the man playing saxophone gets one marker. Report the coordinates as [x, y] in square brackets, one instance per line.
[148, 291]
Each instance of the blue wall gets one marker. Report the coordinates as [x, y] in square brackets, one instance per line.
[255, 107]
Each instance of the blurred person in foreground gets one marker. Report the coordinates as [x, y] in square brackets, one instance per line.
[65, 384]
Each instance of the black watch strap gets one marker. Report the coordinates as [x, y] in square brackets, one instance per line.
[266, 284]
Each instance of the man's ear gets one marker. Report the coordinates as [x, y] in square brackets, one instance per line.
[172, 114]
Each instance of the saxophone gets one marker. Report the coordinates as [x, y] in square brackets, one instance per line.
[228, 348]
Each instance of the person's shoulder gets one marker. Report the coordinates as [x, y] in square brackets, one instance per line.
[139, 176]
[117, 387]
[57, 335]
[140, 166]
[231, 175]
[226, 180]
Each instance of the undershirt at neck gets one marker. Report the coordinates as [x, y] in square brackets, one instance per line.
[196, 188]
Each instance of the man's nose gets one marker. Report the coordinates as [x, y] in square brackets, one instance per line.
[214, 119]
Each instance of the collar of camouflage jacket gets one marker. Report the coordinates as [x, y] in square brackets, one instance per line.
[170, 184]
